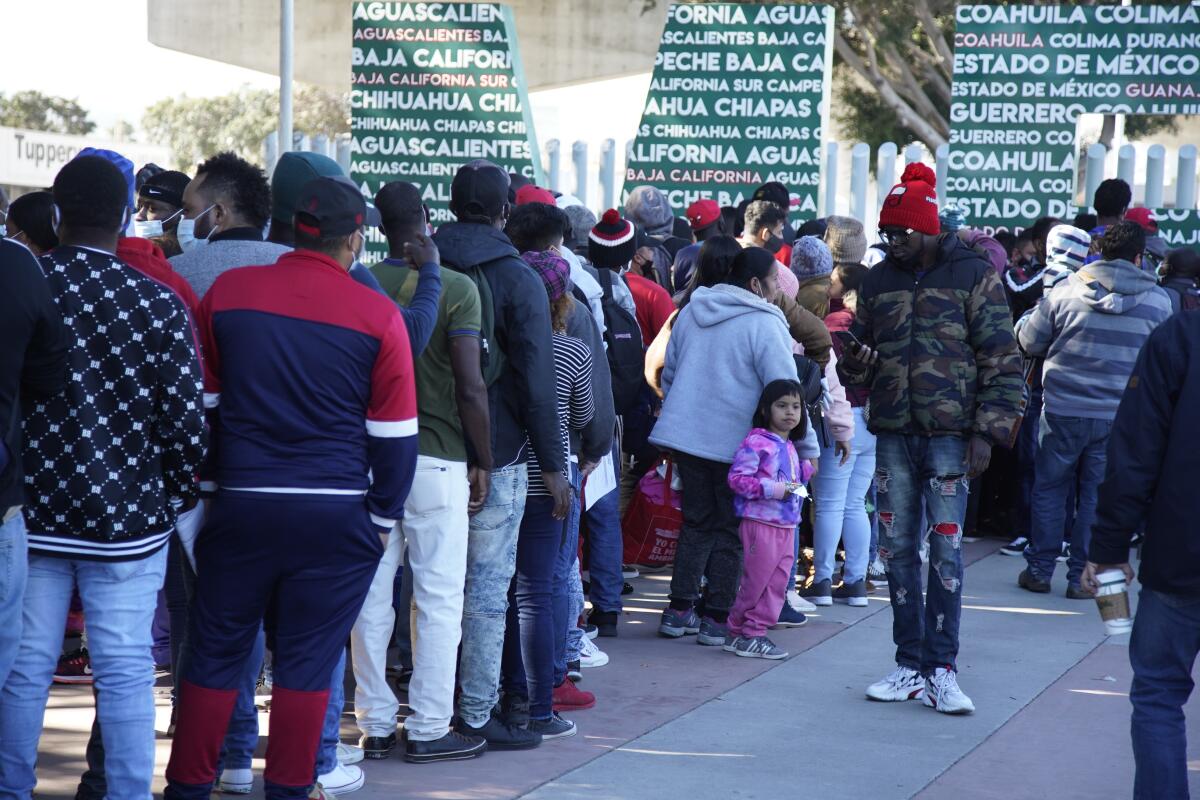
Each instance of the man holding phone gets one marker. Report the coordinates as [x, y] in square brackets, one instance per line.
[934, 343]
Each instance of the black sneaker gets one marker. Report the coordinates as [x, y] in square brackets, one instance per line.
[554, 728]
[500, 736]
[605, 622]
[854, 594]
[627, 588]
[1026, 581]
[574, 671]
[377, 746]
[514, 710]
[1016, 547]
[400, 676]
[454, 746]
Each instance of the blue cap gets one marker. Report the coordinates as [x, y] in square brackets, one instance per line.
[119, 161]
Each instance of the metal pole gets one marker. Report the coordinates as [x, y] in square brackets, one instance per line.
[286, 39]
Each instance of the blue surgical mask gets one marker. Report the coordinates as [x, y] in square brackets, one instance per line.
[186, 232]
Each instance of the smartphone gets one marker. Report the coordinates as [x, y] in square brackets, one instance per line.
[848, 341]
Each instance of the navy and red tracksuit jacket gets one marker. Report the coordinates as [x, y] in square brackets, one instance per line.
[308, 379]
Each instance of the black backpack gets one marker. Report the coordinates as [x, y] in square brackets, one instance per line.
[626, 355]
[491, 357]
[809, 374]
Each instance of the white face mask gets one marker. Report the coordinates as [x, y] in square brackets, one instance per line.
[186, 232]
[152, 228]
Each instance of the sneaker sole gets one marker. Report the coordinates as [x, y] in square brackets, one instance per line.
[789, 625]
[676, 633]
[454, 755]
[510, 746]
[73, 680]
[857, 602]
[778, 657]
[593, 665]
[630, 574]
[375, 755]
[574, 730]
[916, 694]
[237, 788]
[957, 712]
[592, 634]
[574, 677]
[711, 641]
[349, 788]
[822, 602]
[1004, 552]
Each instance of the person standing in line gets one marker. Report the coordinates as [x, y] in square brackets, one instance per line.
[109, 463]
[1150, 481]
[937, 351]
[452, 479]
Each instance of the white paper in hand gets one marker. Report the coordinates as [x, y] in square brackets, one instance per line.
[602, 481]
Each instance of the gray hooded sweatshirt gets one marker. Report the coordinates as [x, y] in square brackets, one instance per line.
[726, 346]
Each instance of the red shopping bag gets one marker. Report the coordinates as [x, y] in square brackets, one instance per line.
[650, 529]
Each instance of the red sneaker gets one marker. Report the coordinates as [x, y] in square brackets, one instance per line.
[74, 667]
[569, 697]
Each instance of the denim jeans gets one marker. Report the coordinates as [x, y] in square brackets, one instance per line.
[331, 729]
[606, 548]
[909, 470]
[13, 566]
[491, 562]
[568, 590]
[709, 543]
[533, 628]
[1027, 448]
[1070, 449]
[1162, 652]
[119, 598]
[241, 737]
[840, 491]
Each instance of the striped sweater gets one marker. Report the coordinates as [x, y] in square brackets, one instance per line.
[1089, 329]
[576, 405]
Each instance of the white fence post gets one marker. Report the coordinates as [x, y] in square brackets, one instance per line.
[913, 153]
[860, 168]
[829, 204]
[942, 170]
[579, 154]
[885, 172]
[271, 151]
[1156, 158]
[1126, 163]
[554, 169]
[342, 149]
[1094, 173]
[608, 172]
[1185, 178]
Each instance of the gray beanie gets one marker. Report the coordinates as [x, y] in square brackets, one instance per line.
[648, 207]
[846, 239]
[582, 222]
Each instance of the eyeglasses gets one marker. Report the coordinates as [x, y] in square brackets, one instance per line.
[896, 237]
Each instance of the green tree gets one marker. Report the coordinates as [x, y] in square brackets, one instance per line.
[198, 127]
[41, 112]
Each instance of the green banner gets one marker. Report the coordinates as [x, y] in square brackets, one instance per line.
[737, 99]
[1023, 75]
[436, 85]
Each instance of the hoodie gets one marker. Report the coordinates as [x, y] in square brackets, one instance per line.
[1090, 329]
[726, 345]
[522, 399]
[764, 464]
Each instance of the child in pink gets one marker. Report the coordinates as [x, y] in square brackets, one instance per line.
[768, 480]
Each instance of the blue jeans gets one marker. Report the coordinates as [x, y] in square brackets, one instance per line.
[532, 630]
[13, 566]
[491, 562]
[841, 492]
[568, 591]
[606, 548]
[909, 470]
[1027, 448]
[1162, 652]
[331, 730]
[241, 737]
[120, 599]
[1070, 449]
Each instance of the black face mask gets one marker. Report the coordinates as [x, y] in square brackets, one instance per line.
[774, 244]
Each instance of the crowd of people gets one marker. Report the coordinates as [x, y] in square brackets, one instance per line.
[232, 450]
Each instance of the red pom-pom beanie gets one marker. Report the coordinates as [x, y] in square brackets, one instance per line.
[611, 243]
[913, 203]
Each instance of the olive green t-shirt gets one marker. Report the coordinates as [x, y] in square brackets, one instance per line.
[440, 431]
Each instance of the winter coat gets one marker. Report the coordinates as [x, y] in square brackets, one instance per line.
[761, 466]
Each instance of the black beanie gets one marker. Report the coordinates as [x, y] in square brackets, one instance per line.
[611, 243]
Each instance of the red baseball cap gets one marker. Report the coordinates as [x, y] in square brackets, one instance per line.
[534, 194]
[1143, 217]
[703, 213]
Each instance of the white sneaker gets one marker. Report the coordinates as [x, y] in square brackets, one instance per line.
[343, 779]
[629, 572]
[942, 693]
[590, 655]
[877, 571]
[798, 603]
[904, 683]
[237, 781]
[924, 550]
[349, 754]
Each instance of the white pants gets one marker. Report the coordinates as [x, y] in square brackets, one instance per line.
[434, 529]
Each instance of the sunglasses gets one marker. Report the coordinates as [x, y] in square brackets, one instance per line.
[896, 236]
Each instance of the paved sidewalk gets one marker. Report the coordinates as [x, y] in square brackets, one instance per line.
[675, 720]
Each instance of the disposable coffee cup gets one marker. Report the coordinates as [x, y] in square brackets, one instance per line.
[1112, 598]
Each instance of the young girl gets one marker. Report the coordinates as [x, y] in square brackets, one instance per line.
[768, 480]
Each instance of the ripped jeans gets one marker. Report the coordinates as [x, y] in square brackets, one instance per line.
[911, 470]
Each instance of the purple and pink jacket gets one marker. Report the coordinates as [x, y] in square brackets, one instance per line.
[763, 464]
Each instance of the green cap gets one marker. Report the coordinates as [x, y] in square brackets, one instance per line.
[292, 172]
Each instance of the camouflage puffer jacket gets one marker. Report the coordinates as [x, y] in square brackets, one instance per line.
[948, 359]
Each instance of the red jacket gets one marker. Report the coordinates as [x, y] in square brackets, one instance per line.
[147, 258]
[653, 303]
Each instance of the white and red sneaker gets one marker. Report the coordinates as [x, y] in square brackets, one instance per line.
[904, 683]
[942, 693]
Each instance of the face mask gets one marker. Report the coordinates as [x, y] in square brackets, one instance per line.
[362, 247]
[186, 232]
[774, 244]
[152, 228]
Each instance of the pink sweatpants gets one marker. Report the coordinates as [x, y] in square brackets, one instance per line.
[767, 554]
